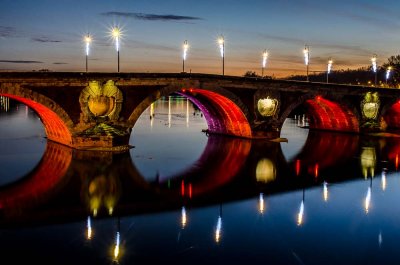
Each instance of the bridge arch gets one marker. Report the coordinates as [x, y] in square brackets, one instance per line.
[325, 113]
[224, 112]
[391, 114]
[55, 119]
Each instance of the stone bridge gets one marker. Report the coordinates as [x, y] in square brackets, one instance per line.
[97, 111]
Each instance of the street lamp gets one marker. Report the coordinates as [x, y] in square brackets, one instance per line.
[374, 67]
[88, 40]
[116, 34]
[185, 49]
[264, 62]
[306, 53]
[221, 43]
[330, 62]
[388, 70]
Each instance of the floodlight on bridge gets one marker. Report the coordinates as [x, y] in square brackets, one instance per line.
[221, 44]
[306, 53]
[264, 62]
[116, 34]
[87, 39]
[329, 69]
[375, 67]
[388, 70]
[185, 50]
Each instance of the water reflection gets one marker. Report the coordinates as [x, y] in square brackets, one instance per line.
[108, 181]
[300, 215]
[325, 191]
[121, 215]
[218, 228]
[4, 103]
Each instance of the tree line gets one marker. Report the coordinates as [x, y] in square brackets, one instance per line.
[360, 76]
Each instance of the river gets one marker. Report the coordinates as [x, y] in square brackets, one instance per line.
[180, 196]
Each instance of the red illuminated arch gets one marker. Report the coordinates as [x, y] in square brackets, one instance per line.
[56, 129]
[328, 115]
[218, 165]
[392, 116]
[223, 114]
[38, 185]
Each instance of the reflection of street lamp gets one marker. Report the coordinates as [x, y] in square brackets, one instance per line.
[306, 53]
[183, 217]
[261, 205]
[116, 34]
[330, 62]
[185, 49]
[301, 211]
[264, 62]
[374, 67]
[117, 242]
[89, 228]
[221, 43]
[383, 180]
[368, 198]
[88, 40]
[325, 191]
[219, 226]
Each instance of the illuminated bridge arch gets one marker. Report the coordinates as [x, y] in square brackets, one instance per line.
[326, 114]
[224, 112]
[40, 184]
[391, 114]
[55, 120]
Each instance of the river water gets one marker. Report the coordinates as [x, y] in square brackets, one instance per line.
[180, 196]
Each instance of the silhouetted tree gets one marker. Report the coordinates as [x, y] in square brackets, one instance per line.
[251, 74]
[360, 76]
[394, 62]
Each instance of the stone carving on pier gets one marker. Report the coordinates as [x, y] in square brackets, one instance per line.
[267, 103]
[101, 102]
[370, 105]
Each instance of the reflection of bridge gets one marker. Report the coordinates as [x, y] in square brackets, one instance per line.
[98, 110]
[71, 183]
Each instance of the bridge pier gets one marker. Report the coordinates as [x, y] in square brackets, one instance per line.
[103, 137]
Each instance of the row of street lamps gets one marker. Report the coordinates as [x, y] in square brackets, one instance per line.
[116, 35]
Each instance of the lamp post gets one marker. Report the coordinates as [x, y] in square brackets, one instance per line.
[88, 40]
[306, 53]
[185, 49]
[221, 43]
[330, 62]
[116, 34]
[374, 67]
[264, 62]
[388, 70]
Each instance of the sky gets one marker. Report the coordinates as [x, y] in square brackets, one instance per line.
[44, 34]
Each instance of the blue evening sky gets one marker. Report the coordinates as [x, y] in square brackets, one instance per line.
[49, 34]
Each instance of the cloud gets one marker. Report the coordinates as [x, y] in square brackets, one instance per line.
[7, 31]
[19, 61]
[59, 63]
[44, 39]
[151, 17]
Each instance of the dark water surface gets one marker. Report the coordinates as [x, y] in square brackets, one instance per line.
[182, 197]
